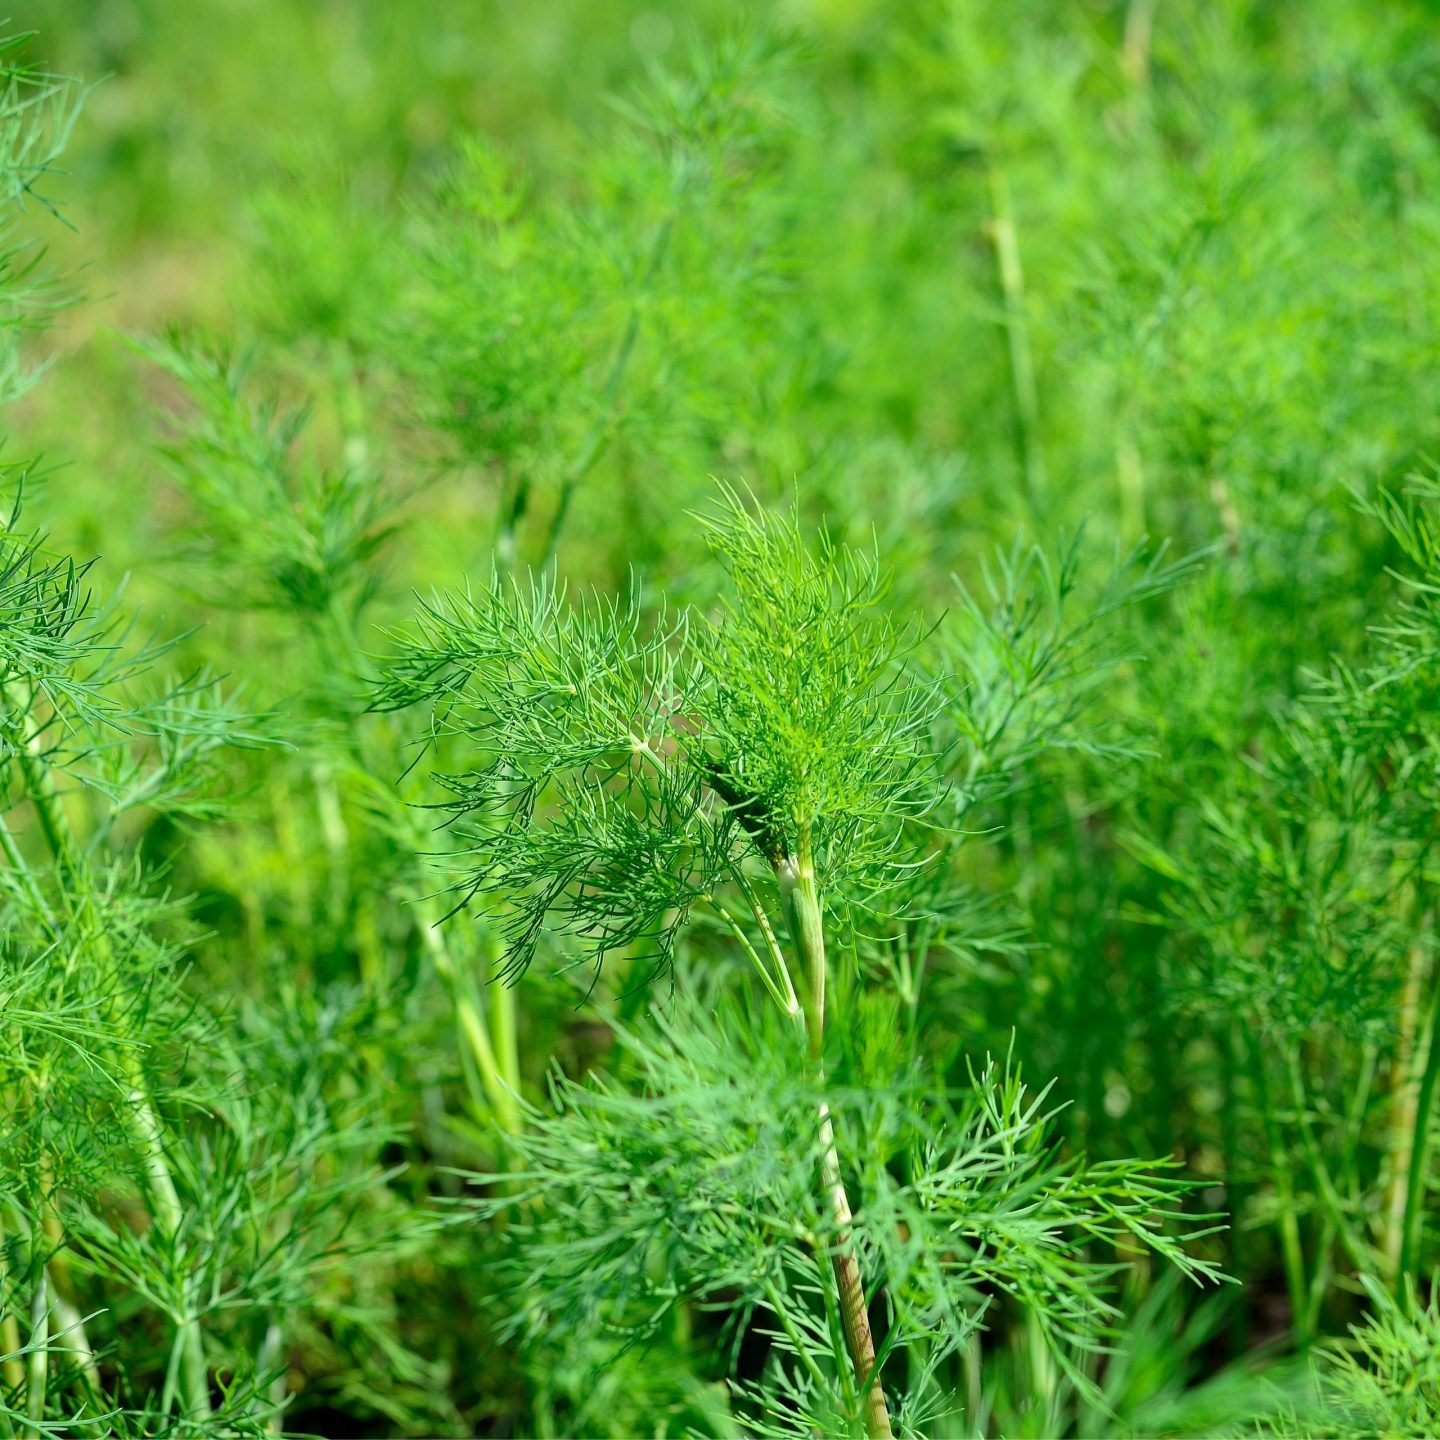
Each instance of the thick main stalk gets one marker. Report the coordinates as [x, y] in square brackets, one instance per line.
[1418, 1168]
[802, 896]
[1404, 1095]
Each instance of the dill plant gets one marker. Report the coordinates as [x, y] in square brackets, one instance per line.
[772, 768]
[1168, 266]
[177, 1180]
[1302, 903]
[550, 326]
[521, 328]
[302, 541]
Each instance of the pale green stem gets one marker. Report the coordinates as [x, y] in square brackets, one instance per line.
[1404, 1094]
[1418, 1170]
[1290, 1246]
[1139, 32]
[797, 1342]
[1017, 332]
[13, 1370]
[272, 1348]
[166, 1207]
[802, 901]
[336, 835]
[69, 1326]
[72, 1333]
[490, 1039]
[1321, 1276]
[788, 1000]
[801, 891]
[505, 1037]
[1338, 1223]
[501, 1084]
[778, 995]
[38, 1369]
[785, 995]
[350, 400]
[170, 1216]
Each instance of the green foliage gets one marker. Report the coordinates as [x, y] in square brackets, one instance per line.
[775, 745]
[681, 751]
[697, 1189]
[539, 335]
[304, 536]
[876, 762]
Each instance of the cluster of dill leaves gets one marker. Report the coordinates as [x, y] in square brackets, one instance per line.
[504, 932]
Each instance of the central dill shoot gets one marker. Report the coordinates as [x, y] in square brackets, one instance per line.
[773, 769]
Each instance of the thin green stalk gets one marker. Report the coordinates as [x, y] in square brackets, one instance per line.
[166, 1206]
[350, 403]
[272, 1349]
[170, 1216]
[751, 954]
[499, 1071]
[802, 1350]
[12, 1372]
[971, 1364]
[1291, 1248]
[504, 1036]
[37, 1371]
[807, 925]
[1355, 1117]
[491, 1038]
[791, 1002]
[1338, 1223]
[1418, 1169]
[77, 1340]
[1139, 35]
[1004, 238]
[802, 895]
[68, 1319]
[1323, 1274]
[1404, 1094]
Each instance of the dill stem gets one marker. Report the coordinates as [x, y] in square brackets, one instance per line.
[491, 1038]
[802, 896]
[1290, 1247]
[1404, 1095]
[71, 1324]
[1139, 37]
[12, 1371]
[1337, 1221]
[789, 1001]
[165, 1199]
[753, 955]
[1004, 239]
[1418, 1167]
[498, 1063]
[504, 1036]
[350, 403]
[38, 1369]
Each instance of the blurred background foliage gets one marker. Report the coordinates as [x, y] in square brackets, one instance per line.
[377, 295]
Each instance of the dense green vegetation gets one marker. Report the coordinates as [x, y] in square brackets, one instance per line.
[720, 723]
